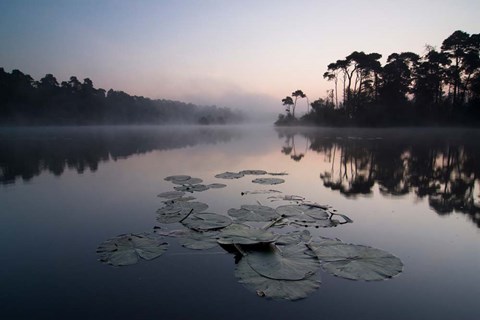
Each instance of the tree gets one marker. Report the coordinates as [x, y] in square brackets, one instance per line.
[464, 50]
[288, 102]
[296, 94]
[430, 72]
[397, 78]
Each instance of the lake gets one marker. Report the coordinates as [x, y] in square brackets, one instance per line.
[413, 193]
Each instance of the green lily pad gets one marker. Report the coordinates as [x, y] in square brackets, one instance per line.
[253, 213]
[240, 235]
[216, 185]
[207, 221]
[229, 175]
[177, 211]
[171, 194]
[191, 188]
[253, 172]
[188, 181]
[128, 249]
[195, 240]
[177, 178]
[275, 289]
[355, 262]
[181, 199]
[303, 212]
[268, 181]
[260, 192]
[289, 262]
[294, 237]
[277, 173]
[287, 198]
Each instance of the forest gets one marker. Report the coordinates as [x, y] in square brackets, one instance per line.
[439, 87]
[24, 101]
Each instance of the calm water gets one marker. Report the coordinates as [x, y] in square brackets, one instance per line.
[412, 192]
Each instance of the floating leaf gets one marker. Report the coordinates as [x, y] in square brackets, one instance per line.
[245, 235]
[191, 188]
[283, 263]
[229, 175]
[171, 194]
[216, 185]
[294, 237]
[356, 262]
[277, 173]
[128, 249]
[253, 213]
[177, 211]
[189, 198]
[303, 212]
[287, 198]
[177, 178]
[269, 181]
[276, 289]
[253, 172]
[188, 181]
[195, 240]
[260, 192]
[207, 221]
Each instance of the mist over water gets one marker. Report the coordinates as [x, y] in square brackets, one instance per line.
[414, 193]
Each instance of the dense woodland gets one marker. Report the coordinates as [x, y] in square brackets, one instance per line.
[24, 101]
[440, 87]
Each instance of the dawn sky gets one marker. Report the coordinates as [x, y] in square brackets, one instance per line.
[245, 54]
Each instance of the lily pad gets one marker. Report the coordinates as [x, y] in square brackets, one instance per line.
[303, 212]
[171, 194]
[246, 236]
[294, 237]
[356, 262]
[191, 188]
[188, 181]
[253, 213]
[195, 240]
[128, 249]
[260, 192]
[177, 211]
[173, 201]
[287, 197]
[253, 172]
[275, 289]
[216, 185]
[289, 262]
[206, 221]
[277, 173]
[177, 178]
[229, 175]
[268, 181]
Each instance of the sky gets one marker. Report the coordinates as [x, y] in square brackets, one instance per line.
[241, 54]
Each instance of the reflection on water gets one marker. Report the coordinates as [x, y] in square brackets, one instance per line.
[25, 153]
[443, 166]
[52, 225]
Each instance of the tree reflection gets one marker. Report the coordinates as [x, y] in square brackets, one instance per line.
[444, 168]
[26, 153]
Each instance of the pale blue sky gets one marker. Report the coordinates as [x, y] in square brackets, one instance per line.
[247, 54]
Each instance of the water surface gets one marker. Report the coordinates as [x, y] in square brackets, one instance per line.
[63, 191]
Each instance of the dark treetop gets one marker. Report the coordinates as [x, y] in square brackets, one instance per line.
[441, 87]
[24, 101]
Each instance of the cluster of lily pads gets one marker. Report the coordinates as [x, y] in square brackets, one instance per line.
[276, 255]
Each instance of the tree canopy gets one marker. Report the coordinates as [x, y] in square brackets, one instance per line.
[24, 101]
[439, 87]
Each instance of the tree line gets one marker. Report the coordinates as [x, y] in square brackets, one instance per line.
[440, 87]
[24, 101]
